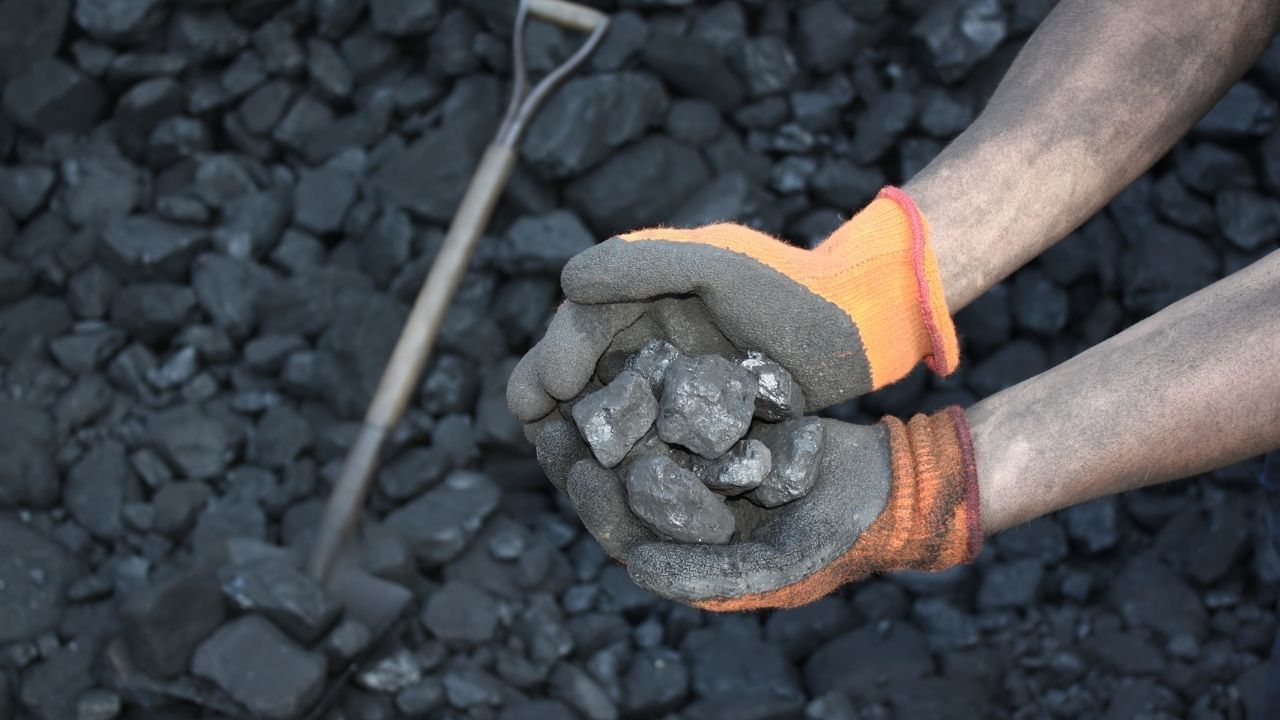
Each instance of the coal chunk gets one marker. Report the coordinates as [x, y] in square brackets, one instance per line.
[112, 20]
[656, 682]
[1148, 594]
[961, 33]
[228, 291]
[1094, 525]
[580, 690]
[469, 686]
[1247, 219]
[588, 118]
[347, 640]
[443, 521]
[768, 65]
[731, 662]
[613, 418]
[414, 472]
[987, 321]
[34, 572]
[429, 177]
[822, 107]
[1244, 112]
[321, 199]
[30, 30]
[1163, 266]
[28, 475]
[23, 188]
[362, 330]
[399, 18]
[279, 437]
[901, 653]
[1007, 367]
[675, 503]
[795, 448]
[651, 361]
[1125, 653]
[153, 311]
[51, 96]
[885, 118]
[49, 688]
[145, 247]
[261, 668]
[696, 122]
[732, 195]
[1039, 305]
[15, 281]
[1209, 167]
[694, 67]
[826, 35]
[98, 705]
[98, 486]
[638, 186]
[421, 699]
[778, 397]
[282, 593]
[195, 442]
[542, 243]
[176, 505]
[461, 613]
[741, 470]
[163, 622]
[1011, 585]
[328, 72]
[252, 223]
[707, 404]
[538, 710]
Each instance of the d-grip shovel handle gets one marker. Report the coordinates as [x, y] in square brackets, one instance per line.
[524, 101]
[414, 345]
[569, 15]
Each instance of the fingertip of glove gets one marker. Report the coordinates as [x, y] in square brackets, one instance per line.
[587, 278]
[584, 478]
[526, 399]
[650, 568]
[575, 340]
[558, 448]
[571, 273]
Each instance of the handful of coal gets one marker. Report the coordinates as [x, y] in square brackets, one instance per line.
[693, 434]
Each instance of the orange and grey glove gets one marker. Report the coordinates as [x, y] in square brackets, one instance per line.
[854, 314]
[891, 496]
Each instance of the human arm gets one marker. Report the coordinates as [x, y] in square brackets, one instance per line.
[1100, 91]
[1191, 388]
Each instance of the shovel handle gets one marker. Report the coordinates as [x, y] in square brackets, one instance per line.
[410, 355]
[566, 14]
[414, 346]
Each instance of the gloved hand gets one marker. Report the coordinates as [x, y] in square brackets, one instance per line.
[850, 316]
[890, 496]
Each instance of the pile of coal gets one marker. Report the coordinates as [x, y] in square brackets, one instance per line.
[692, 433]
[214, 217]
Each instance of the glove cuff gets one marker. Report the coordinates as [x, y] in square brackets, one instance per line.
[885, 275]
[933, 514]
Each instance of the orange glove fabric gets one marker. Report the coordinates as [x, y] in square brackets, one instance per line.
[878, 268]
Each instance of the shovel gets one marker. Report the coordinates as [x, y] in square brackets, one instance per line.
[412, 349]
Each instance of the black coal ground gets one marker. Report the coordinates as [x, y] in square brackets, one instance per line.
[213, 216]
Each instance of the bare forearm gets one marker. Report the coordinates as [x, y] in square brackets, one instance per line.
[1192, 388]
[1100, 91]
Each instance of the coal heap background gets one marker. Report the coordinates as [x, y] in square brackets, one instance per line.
[212, 219]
